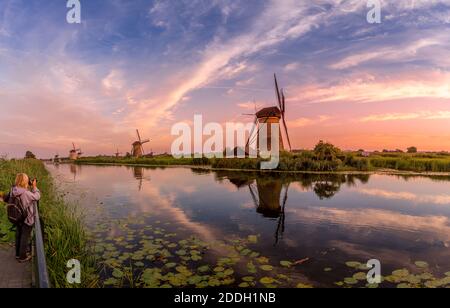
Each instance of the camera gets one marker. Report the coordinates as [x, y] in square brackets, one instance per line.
[30, 182]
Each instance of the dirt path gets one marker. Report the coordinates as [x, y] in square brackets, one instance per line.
[12, 273]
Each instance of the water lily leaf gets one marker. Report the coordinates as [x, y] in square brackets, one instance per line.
[244, 285]
[251, 268]
[286, 263]
[213, 282]
[203, 268]
[196, 258]
[219, 269]
[202, 284]
[353, 264]
[248, 279]
[267, 280]
[246, 252]
[139, 264]
[254, 254]
[360, 276]
[228, 272]
[304, 286]
[401, 273]
[171, 265]
[421, 264]
[372, 285]
[266, 268]
[412, 279]
[195, 279]
[117, 273]
[262, 260]
[404, 286]
[181, 252]
[350, 281]
[111, 282]
[327, 269]
[253, 239]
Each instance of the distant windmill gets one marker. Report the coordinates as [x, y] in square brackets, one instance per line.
[137, 147]
[117, 153]
[75, 153]
[271, 115]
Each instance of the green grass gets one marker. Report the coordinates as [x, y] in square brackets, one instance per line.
[65, 237]
[303, 161]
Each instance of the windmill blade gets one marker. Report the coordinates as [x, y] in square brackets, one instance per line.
[139, 136]
[252, 193]
[74, 146]
[251, 133]
[145, 141]
[283, 102]
[142, 148]
[286, 132]
[278, 91]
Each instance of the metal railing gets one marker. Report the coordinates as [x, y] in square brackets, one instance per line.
[41, 272]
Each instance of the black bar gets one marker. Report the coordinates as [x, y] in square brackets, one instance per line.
[43, 281]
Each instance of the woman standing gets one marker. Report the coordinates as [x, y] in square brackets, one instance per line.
[28, 199]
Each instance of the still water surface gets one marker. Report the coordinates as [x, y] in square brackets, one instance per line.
[188, 227]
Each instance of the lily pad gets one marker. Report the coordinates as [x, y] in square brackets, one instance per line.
[262, 260]
[327, 269]
[286, 263]
[248, 279]
[266, 268]
[350, 281]
[353, 264]
[244, 285]
[401, 273]
[117, 273]
[304, 286]
[219, 269]
[203, 268]
[421, 264]
[360, 276]
[111, 282]
[253, 239]
[267, 280]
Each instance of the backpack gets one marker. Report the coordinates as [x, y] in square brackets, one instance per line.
[14, 208]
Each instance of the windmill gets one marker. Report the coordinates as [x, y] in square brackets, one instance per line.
[137, 147]
[266, 197]
[74, 153]
[117, 153]
[269, 116]
[56, 159]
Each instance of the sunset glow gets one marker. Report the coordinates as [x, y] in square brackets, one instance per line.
[148, 64]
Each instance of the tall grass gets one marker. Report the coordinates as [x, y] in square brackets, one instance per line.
[64, 234]
[303, 161]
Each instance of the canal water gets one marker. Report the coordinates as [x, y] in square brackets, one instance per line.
[182, 227]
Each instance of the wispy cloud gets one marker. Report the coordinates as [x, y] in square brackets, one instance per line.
[302, 122]
[423, 115]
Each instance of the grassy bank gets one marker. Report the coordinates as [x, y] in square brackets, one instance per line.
[65, 237]
[310, 161]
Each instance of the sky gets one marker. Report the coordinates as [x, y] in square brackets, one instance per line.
[149, 64]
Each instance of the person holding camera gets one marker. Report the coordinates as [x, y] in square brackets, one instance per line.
[27, 200]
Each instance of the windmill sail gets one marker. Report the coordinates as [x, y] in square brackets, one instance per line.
[283, 118]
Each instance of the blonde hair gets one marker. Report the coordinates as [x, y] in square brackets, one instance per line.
[22, 180]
